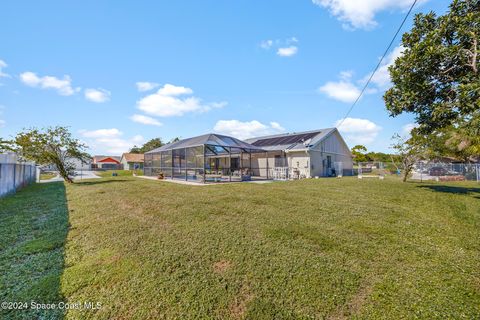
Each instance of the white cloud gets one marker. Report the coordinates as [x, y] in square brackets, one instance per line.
[382, 76]
[284, 47]
[266, 44]
[287, 51]
[343, 90]
[110, 141]
[63, 86]
[347, 91]
[358, 131]
[170, 101]
[97, 95]
[146, 86]
[407, 129]
[248, 129]
[145, 120]
[101, 133]
[3, 64]
[361, 13]
[277, 126]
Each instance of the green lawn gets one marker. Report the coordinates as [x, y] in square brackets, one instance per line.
[120, 173]
[47, 175]
[326, 248]
[33, 229]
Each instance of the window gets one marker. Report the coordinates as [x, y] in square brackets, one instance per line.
[329, 161]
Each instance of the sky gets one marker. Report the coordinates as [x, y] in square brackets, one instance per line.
[119, 73]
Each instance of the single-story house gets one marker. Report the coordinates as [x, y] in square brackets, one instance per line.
[132, 161]
[317, 153]
[79, 165]
[106, 162]
[219, 158]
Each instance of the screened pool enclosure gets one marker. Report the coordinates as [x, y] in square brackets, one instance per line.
[205, 159]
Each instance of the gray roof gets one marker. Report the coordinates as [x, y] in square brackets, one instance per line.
[291, 141]
[209, 138]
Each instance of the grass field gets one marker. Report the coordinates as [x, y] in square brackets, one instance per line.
[326, 248]
[120, 173]
[47, 175]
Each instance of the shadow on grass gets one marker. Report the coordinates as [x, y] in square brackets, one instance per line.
[33, 231]
[452, 189]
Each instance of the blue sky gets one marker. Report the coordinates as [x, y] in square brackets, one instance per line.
[122, 72]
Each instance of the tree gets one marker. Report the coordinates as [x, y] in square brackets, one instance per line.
[53, 145]
[358, 153]
[148, 146]
[409, 152]
[5, 145]
[437, 78]
[176, 139]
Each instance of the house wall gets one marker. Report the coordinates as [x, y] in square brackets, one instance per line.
[107, 165]
[300, 160]
[334, 147]
[262, 163]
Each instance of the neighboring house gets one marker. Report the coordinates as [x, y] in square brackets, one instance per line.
[79, 165]
[106, 162]
[132, 161]
[317, 153]
[218, 158]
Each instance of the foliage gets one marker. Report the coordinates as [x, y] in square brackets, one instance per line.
[409, 151]
[437, 77]
[5, 145]
[53, 145]
[358, 153]
[454, 143]
[148, 146]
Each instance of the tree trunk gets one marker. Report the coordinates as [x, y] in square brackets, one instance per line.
[63, 172]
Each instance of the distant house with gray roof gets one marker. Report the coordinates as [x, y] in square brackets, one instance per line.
[316, 153]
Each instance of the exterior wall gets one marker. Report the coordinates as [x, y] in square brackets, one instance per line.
[333, 147]
[125, 164]
[262, 165]
[300, 160]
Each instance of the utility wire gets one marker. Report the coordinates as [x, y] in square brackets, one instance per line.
[379, 64]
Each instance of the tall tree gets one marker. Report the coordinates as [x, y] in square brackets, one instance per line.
[437, 78]
[53, 145]
[148, 146]
[359, 152]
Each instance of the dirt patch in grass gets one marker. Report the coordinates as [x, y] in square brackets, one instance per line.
[239, 305]
[222, 266]
[355, 304]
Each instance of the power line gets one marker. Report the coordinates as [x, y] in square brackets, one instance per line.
[379, 64]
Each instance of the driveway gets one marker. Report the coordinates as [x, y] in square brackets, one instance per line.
[79, 175]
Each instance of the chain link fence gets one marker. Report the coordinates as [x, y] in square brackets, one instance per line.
[422, 171]
[437, 171]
